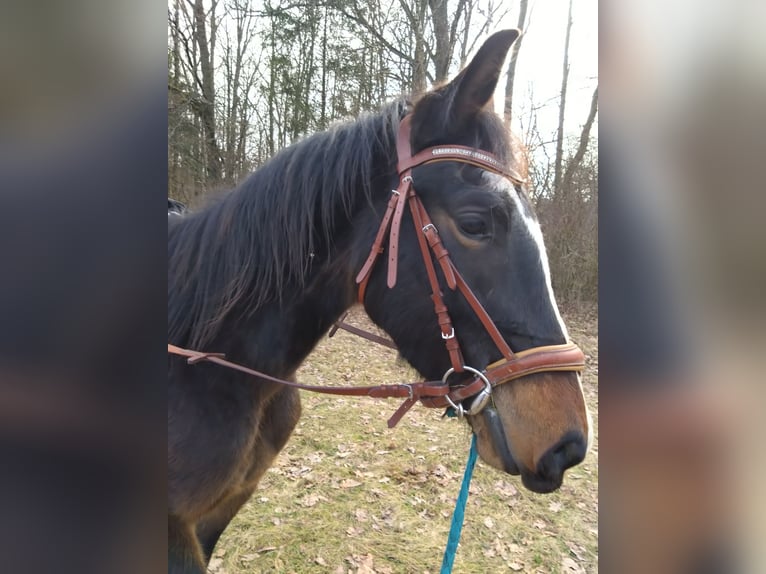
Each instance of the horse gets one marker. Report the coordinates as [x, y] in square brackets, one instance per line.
[263, 272]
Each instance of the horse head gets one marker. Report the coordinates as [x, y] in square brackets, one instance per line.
[536, 425]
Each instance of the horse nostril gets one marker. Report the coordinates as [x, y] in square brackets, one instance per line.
[568, 452]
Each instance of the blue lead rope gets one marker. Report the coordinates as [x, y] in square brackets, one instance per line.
[457, 517]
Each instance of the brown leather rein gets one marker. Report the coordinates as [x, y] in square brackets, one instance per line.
[434, 394]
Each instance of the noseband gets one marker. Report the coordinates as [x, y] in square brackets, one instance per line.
[565, 357]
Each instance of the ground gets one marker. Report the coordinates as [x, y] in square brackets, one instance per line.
[348, 495]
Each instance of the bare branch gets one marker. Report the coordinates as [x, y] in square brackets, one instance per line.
[562, 105]
[366, 25]
[575, 162]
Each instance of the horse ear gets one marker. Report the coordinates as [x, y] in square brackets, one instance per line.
[474, 86]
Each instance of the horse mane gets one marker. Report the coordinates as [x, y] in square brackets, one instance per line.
[254, 241]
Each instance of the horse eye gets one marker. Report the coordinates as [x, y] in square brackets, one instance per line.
[474, 226]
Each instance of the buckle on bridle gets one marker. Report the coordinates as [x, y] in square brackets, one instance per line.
[450, 335]
[432, 226]
[480, 399]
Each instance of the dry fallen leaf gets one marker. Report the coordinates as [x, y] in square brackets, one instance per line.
[576, 551]
[569, 566]
[311, 499]
[349, 483]
[505, 488]
[365, 566]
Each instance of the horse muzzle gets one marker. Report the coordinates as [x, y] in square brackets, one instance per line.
[544, 474]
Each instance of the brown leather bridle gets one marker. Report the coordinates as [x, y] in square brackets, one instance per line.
[434, 394]
[564, 357]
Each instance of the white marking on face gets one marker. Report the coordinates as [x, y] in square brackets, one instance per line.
[502, 185]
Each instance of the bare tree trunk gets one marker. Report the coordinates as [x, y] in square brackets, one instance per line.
[173, 156]
[207, 104]
[583, 145]
[508, 106]
[272, 87]
[233, 91]
[562, 107]
[442, 52]
[445, 35]
[381, 95]
[466, 30]
[306, 112]
[323, 97]
[176, 42]
[419, 64]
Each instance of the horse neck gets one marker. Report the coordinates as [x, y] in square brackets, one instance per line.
[288, 329]
[314, 311]
[281, 333]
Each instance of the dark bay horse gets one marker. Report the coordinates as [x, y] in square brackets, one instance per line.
[263, 273]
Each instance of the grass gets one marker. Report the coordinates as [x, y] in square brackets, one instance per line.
[348, 495]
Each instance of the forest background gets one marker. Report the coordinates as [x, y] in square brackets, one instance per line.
[248, 77]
